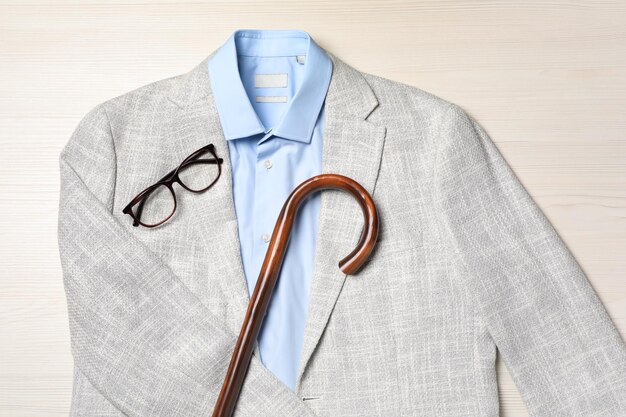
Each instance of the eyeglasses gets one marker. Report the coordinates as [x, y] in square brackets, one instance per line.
[156, 204]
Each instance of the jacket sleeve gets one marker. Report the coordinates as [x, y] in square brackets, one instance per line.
[554, 335]
[138, 334]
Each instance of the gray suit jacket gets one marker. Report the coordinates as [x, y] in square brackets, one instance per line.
[466, 265]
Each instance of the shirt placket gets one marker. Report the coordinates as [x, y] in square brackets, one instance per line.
[264, 199]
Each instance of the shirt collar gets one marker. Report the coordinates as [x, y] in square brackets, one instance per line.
[236, 113]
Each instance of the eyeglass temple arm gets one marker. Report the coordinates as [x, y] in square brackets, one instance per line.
[203, 161]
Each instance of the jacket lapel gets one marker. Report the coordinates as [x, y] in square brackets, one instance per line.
[196, 124]
[352, 147]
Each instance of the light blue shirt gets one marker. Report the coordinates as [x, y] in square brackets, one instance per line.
[270, 87]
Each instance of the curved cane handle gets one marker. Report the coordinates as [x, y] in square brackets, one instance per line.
[270, 269]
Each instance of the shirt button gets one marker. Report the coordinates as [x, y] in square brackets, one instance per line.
[268, 163]
[265, 237]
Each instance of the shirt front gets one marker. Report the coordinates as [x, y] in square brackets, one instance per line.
[269, 88]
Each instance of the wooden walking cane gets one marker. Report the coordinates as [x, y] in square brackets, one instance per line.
[268, 276]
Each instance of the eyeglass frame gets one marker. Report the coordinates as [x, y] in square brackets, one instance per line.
[169, 180]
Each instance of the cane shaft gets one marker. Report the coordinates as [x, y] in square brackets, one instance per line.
[259, 301]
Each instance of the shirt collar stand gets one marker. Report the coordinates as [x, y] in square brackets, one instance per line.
[238, 117]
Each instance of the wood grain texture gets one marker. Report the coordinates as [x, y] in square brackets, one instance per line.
[546, 80]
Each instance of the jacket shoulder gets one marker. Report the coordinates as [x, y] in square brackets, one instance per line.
[399, 95]
[407, 103]
[147, 95]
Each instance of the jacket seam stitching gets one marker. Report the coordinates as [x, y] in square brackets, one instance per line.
[115, 159]
[435, 194]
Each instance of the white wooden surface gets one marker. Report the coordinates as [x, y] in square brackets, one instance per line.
[546, 79]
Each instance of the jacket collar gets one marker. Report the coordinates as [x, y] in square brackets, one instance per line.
[352, 146]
